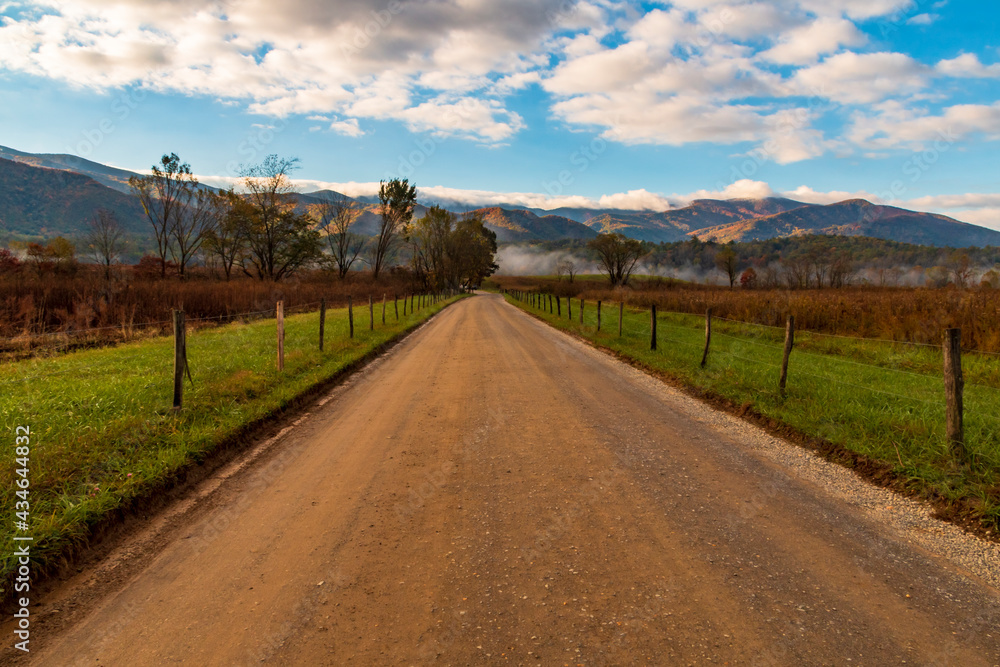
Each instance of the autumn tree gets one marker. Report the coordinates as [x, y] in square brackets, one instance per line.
[336, 217]
[618, 255]
[727, 262]
[448, 251]
[472, 252]
[430, 247]
[279, 241]
[397, 199]
[106, 239]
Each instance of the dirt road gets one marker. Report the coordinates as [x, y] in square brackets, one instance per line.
[494, 492]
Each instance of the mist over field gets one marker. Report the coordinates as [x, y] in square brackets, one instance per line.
[523, 260]
[517, 260]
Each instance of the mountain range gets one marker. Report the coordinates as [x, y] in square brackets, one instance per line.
[51, 194]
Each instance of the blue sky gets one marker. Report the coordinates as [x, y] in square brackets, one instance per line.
[532, 102]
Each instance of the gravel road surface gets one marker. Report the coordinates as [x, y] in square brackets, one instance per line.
[495, 492]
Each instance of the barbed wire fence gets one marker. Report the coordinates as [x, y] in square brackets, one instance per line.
[952, 407]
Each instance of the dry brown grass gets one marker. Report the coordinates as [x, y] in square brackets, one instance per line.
[61, 312]
[917, 315]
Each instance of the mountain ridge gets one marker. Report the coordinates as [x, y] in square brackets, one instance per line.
[49, 193]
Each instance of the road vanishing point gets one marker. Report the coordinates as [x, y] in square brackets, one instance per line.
[492, 492]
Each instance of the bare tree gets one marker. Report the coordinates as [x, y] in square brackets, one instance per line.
[336, 216]
[396, 201]
[841, 270]
[226, 240]
[164, 195]
[960, 268]
[106, 239]
[798, 272]
[193, 223]
[566, 268]
[618, 254]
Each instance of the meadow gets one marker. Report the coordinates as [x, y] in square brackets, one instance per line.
[907, 314]
[104, 436]
[881, 400]
[59, 312]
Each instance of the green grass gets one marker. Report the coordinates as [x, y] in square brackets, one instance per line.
[103, 433]
[883, 400]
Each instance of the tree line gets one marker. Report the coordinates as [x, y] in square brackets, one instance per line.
[815, 261]
[259, 228]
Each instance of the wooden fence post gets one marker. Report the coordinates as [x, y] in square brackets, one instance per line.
[954, 384]
[652, 327]
[371, 313]
[322, 322]
[789, 343]
[708, 336]
[581, 311]
[395, 304]
[598, 316]
[180, 357]
[621, 316]
[550, 305]
[559, 306]
[350, 316]
[569, 308]
[281, 335]
[383, 309]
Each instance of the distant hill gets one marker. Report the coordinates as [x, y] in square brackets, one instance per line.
[856, 217]
[52, 202]
[516, 225]
[676, 224]
[51, 194]
[112, 177]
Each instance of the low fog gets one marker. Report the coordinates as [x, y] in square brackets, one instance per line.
[517, 260]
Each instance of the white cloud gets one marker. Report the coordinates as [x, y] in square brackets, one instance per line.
[968, 66]
[349, 58]
[855, 78]
[808, 195]
[856, 9]
[805, 44]
[923, 19]
[635, 200]
[741, 189]
[687, 71]
[984, 217]
[894, 125]
[348, 128]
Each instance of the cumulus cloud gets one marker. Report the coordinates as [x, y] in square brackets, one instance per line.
[804, 44]
[863, 78]
[350, 58]
[968, 66]
[680, 72]
[348, 128]
[893, 125]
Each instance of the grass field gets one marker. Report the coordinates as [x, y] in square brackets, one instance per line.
[883, 400]
[913, 314]
[103, 433]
